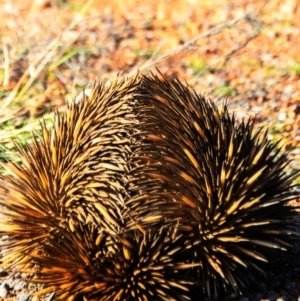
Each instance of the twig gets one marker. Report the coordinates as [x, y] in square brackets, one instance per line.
[215, 30]
[234, 51]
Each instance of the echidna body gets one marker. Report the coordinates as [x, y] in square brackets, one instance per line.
[145, 191]
[68, 211]
[229, 182]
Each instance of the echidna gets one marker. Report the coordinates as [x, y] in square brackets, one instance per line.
[144, 191]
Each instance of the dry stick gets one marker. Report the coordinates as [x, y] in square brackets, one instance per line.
[236, 49]
[152, 62]
[41, 61]
[240, 46]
